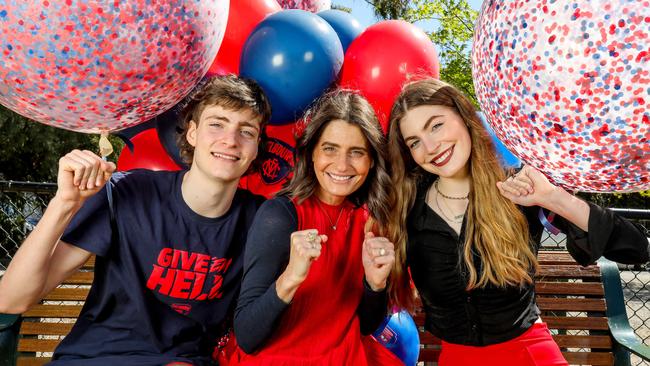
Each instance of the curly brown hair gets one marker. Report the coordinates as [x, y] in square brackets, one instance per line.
[230, 92]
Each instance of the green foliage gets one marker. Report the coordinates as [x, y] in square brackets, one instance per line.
[30, 151]
[640, 200]
[452, 35]
[341, 8]
[390, 9]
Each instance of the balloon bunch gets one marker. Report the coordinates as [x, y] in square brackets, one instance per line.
[108, 67]
[296, 56]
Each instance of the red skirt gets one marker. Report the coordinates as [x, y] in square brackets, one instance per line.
[535, 347]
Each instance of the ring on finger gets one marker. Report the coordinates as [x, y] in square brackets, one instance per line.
[382, 252]
[311, 237]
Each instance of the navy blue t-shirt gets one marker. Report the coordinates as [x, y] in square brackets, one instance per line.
[165, 284]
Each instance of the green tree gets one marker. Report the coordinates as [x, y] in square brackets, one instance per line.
[452, 35]
[30, 151]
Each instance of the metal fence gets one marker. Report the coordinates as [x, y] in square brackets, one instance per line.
[22, 205]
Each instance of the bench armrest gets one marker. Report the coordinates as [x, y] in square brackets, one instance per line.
[617, 318]
[9, 327]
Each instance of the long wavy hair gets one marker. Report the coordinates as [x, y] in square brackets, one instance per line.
[354, 109]
[496, 229]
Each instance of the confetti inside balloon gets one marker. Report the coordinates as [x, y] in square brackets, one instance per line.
[566, 86]
[310, 5]
[96, 66]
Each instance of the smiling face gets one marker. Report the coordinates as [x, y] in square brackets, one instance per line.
[225, 142]
[341, 161]
[438, 140]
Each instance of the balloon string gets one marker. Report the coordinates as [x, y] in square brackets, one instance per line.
[548, 222]
[106, 149]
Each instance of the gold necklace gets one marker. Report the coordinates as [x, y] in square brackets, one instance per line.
[458, 219]
[332, 225]
[449, 197]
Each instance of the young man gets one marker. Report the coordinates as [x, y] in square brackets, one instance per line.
[169, 262]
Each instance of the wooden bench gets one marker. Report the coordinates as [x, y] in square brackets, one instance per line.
[30, 339]
[583, 306]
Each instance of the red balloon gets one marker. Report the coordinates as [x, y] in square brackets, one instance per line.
[244, 15]
[382, 58]
[277, 163]
[148, 153]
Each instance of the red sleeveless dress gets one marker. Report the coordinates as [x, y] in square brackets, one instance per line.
[321, 327]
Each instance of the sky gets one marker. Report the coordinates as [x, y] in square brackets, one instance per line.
[364, 14]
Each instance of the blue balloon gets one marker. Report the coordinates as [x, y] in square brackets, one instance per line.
[169, 129]
[400, 335]
[507, 159]
[294, 55]
[346, 26]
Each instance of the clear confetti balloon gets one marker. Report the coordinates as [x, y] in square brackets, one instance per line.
[309, 5]
[94, 66]
[566, 86]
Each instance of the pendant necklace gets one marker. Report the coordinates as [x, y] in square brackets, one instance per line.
[456, 219]
[332, 224]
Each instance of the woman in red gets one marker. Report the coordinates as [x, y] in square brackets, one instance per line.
[316, 263]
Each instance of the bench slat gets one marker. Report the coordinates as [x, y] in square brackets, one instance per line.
[80, 278]
[583, 341]
[53, 311]
[32, 361]
[555, 257]
[570, 288]
[575, 271]
[37, 328]
[576, 323]
[68, 294]
[90, 263]
[552, 303]
[37, 345]
[428, 338]
[429, 354]
[589, 358]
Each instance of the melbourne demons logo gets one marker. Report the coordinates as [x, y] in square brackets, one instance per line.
[277, 161]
